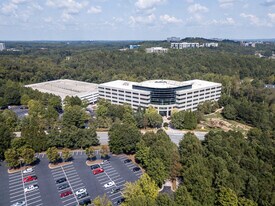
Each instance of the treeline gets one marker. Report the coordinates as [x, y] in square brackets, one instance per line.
[224, 169]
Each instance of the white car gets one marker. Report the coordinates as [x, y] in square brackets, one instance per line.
[109, 184]
[29, 170]
[21, 203]
[80, 191]
[31, 188]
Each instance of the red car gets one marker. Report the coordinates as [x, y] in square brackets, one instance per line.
[98, 170]
[29, 178]
[65, 194]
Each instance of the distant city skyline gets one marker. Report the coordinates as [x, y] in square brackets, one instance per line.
[136, 19]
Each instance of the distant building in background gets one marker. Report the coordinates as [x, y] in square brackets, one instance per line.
[173, 39]
[248, 44]
[134, 46]
[269, 86]
[184, 45]
[211, 44]
[2, 46]
[156, 50]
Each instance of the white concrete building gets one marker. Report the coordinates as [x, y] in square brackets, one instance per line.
[2, 46]
[66, 87]
[184, 45]
[164, 95]
[156, 50]
[211, 44]
[173, 39]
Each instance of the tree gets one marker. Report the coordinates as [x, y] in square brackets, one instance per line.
[72, 101]
[56, 103]
[230, 112]
[184, 120]
[102, 201]
[36, 108]
[183, 197]
[142, 154]
[66, 154]
[25, 99]
[143, 189]
[227, 197]
[189, 145]
[90, 152]
[242, 201]
[123, 138]
[53, 155]
[10, 119]
[164, 199]
[6, 138]
[12, 158]
[154, 119]
[104, 151]
[156, 170]
[27, 154]
[74, 116]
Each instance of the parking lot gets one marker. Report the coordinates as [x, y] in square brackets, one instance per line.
[78, 176]
[16, 189]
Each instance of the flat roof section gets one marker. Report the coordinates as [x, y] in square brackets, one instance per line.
[162, 84]
[65, 87]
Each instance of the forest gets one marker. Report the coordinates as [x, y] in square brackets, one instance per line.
[227, 168]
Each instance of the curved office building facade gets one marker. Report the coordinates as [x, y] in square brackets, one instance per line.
[164, 95]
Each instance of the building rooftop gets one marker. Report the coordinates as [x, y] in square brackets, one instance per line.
[65, 87]
[196, 84]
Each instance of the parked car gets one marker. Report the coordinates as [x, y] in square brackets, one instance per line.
[29, 178]
[82, 195]
[105, 161]
[28, 170]
[127, 161]
[85, 202]
[115, 190]
[31, 188]
[80, 191]
[21, 203]
[109, 184]
[64, 186]
[95, 166]
[65, 194]
[136, 169]
[63, 179]
[98, 171]
[120, 201]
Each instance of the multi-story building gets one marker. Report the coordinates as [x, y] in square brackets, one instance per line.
[156, 50]
[164, 95]
[2, 46]
[134, 46]
[184, 45]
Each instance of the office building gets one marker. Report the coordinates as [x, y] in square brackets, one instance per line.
[164, 95]
[135, 46]
[156, 50]
[184, 45]
[2, 47]
[66, 87]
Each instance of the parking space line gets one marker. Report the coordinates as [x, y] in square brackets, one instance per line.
[19, 191]
[35, 202]
[36, 197]
[18, 199]
[66, 200]
[24, 188]
[69, 183]
[13, 196]
[121, 181]
[77, 185]
[14, 189]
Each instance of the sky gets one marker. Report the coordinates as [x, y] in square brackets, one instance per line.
[136, 19]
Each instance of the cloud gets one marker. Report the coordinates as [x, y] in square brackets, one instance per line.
[197, 8]
[148, 4]
[228, 21]
[254, 20]
[134, 20]
[9, 9]
[269, 3]
[226, 3]
[69, 6]
[95, 10]
[272, 17]
[169, 19]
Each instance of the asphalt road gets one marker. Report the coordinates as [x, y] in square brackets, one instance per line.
[174, 135]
